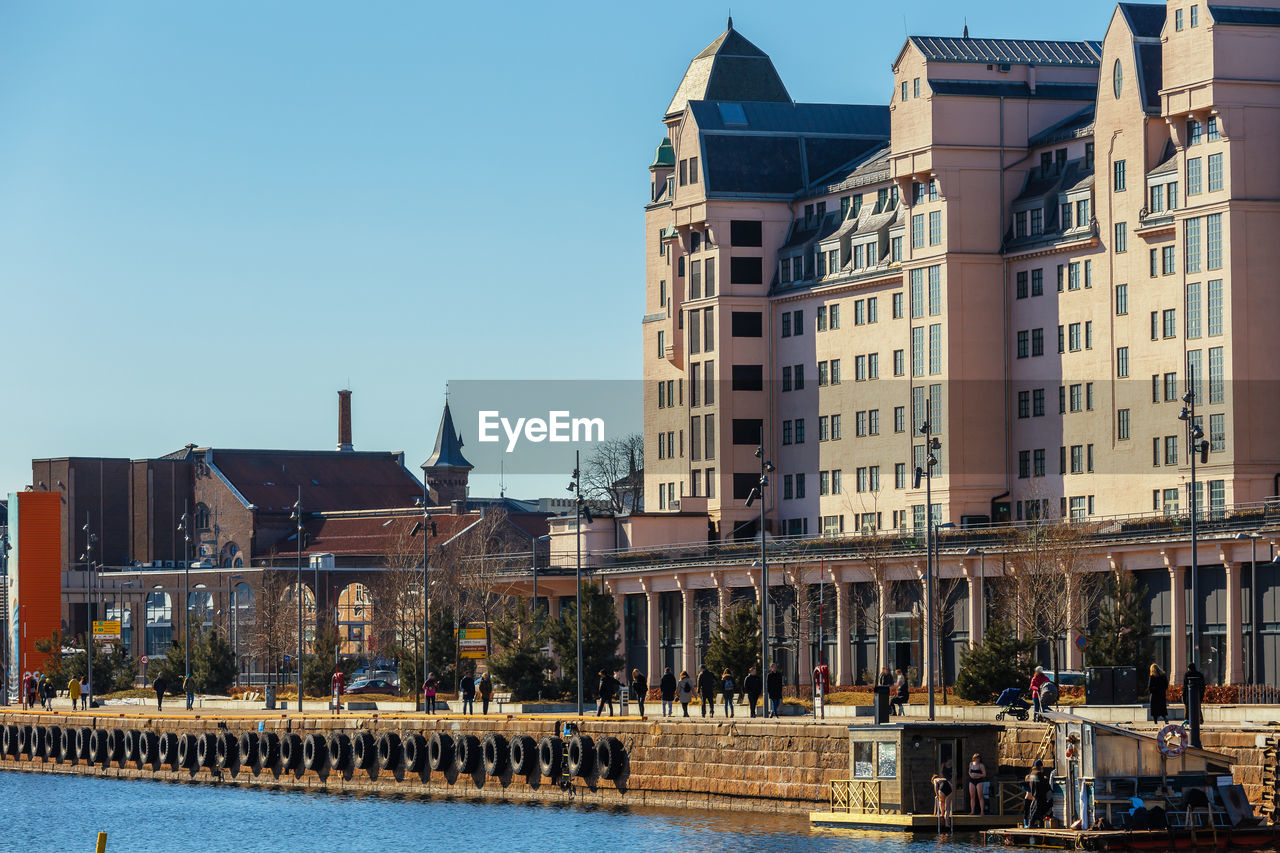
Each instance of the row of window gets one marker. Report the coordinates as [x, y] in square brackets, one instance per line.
[702, 431]
[1074, 459]
[822, 262]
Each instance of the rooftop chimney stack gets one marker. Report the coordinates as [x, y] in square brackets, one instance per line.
[344, 420]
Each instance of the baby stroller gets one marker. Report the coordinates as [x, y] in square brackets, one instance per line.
[1011, 699]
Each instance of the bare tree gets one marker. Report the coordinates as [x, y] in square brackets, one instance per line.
[474, 567]
[396, 594]
[612, 473]
[1045, 592]
[274, 629]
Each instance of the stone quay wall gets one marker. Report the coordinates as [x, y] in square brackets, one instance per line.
[727, 764]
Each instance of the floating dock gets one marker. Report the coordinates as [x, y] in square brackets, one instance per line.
[1202, 838]
[915, 823]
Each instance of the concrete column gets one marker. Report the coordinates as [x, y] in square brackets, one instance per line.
[975, 608]
[620, 608]
[1177, 621]
[726, 596]
[1075, 657]
[844, 658]
[1235, 638]
[652, 640]
[882, 628]
[690, 630]
[928, 635]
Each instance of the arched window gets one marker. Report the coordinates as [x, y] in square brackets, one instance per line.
[202, 517]
[355, 618]
[200, 608]
[231, 557]
[159, 623]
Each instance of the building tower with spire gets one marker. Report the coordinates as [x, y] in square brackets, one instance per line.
[446, 470]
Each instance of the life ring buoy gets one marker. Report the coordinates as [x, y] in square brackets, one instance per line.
[1173, 740]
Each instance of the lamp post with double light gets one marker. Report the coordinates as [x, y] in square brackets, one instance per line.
[296, 517]
[757, 493]
[89, 539]
[1199, 448]
[931, 445]
[184, 527]
[581, 511]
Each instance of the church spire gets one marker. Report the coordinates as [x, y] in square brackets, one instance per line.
[446, 470]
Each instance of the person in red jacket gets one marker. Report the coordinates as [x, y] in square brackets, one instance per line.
[337, 684]
[1038, 680]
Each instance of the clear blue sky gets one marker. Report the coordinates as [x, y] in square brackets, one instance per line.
[213, 216]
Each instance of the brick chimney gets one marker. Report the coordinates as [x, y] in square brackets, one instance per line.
[344, 420]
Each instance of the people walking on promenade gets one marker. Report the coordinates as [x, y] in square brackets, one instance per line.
[1038, 680]
[901, 694]
[639, 689]
[1158, 686]
[607, 687]
[707, 684]
[773, 688]
[485, 687]
[668, 688]
[189, 688]
[467, 692]
[429, 693]
[73, 690]
[84, 694]
[337, 684]
[752, 687]
[728, 689]
[159, 686]
[686, 691]
[46, 693]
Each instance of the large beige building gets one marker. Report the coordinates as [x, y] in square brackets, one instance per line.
[1044, 245]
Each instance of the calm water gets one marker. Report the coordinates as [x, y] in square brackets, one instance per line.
[66, 812]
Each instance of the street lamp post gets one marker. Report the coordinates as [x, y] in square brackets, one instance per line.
[931, 445]
[1198, 446]
[766, 468]
[1253, 599]
[233, 623]
[4, 570]
[184, 527]
[89, 538]
[297, 519]
[580, 511]
[428, 530]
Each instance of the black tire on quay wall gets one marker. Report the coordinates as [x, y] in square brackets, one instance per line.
[148, 749]
[389, 750]
[10, 743]
[496, 752]
[187, 751]
[84, 735]
[467, 754]
[228, 751]
[582, 754]
[315, 751]
[550, 756]
[24, 740]
[207, 749]
[37, 742]
[115, 746]
[610, 757]
[415, 753]
[99, 748]
[169, 750]
[440, 750]
[524, 755]
[339, 747]
[68, 750]
[248, 748]
[290, 751]
[131, 745]
[53, 743]
[364, 750]
[268, 750]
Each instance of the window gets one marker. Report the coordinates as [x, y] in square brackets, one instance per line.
[1213, 241]
[835, 427]
[917, 294]
[1077, 397]
[1215, 307]
[1177, 20]
[822, 318]
[1023, 344]
[1122, 299]
[1037, 402]
[799, 377]
[709, 328]
[915, 91]
[1170, 322]
[1066, 215]
[835, 481]
[1077, 459]
[1215, 172]
[822, 263]
[1212, 134]
[1155, 263]
[1073, 275]
[799, 485]
[1020, 224]
[1122, 362]
[693, 170]
[785, 275]
[1193, 310]
[1074, 336]
[747, 324]
[1171, 195]
[1024, 404]
[797, 323]
[834, 314]
[799, 431]
[935, 348]
[662, 295]
[748, 377]
[1037, 458]
[1062, 275]
[897, 306]
[1217, 390]
[1082, 212]
[786, 324]
[822, 374]
[1024, 464]
[917, 230]
[935, 227]
[859, 368]
[662, 344]
[1167, 260]
[935, 291]
[824, 482]
[1122, 237]
[746, 270]
[709, 288]
[1117, 180]
[1194, 132]
[904, 90]
[1037, 342]
[786, 380]
[709, 448]
[835, 371]
[786, 432]
[1191, 251]
[900, 475]
[1037, 282]
[1171, 450]
[1193, 176]
[917, 351]
[695, 332]
[1217, 433]
[1062, 399]
[1021, 287]
[1037, 220]
[898, 367]
[1122, 424]
[895, 249]
[746, 233]
[873, 311]
[748, 430]
[1170, 387]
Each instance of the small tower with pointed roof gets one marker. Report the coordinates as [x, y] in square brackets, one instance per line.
[446, 470]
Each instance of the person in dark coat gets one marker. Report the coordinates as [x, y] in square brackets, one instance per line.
[901, 693]
[727, 689]
[1158, 686]
[639, 689]
[159, 685]
[707, 684]
[773, 689]
[1040, 793]
[668, 687]
[752, 687]
[607, 687]
[467, 692]
[1193, 681]
[485, 688]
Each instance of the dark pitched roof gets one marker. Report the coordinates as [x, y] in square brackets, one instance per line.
[844, 119]
[1145, 20]
[1044, 91]
[373, 535]
[183, 455]
[448, 450]
[665, 155]
[1245, 16]
[1074, 125]
[729, 69]
[1011, 51]
[331, 480]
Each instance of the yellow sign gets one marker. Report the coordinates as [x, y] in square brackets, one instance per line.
[473, 654]
[106, 628]
[473, 643]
